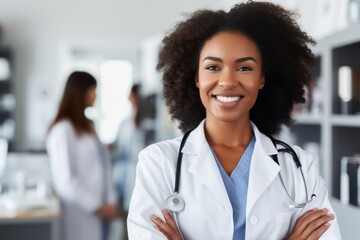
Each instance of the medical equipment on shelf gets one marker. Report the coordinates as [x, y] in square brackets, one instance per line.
[175, 203]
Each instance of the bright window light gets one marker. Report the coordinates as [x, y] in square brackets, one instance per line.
[113, 104]
[114, 80]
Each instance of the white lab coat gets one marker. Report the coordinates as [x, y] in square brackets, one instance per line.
[130, 142]
[79, 178]
[208, 212]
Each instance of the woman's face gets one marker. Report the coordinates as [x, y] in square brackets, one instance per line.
[229, 76]
[90, 96]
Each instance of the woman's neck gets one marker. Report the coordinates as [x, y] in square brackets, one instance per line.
[228, 134]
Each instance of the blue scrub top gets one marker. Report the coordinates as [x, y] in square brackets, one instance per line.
[237, 186]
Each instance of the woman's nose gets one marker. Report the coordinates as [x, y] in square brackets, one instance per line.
[227, 80]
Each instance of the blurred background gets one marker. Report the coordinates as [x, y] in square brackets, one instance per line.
[112, 39]
[118, 41]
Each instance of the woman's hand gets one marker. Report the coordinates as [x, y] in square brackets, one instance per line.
[169, 227]
[311, 225]
[107, 211]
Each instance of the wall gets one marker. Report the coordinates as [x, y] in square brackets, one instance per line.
[44, 32]
[41, 32]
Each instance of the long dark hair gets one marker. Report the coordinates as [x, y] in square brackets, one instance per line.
[73, 102]
[284, 49]
[135, 91]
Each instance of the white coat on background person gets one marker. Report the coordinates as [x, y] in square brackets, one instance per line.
[268, 215]
[80, 165]
[79, 181]
[129, 142]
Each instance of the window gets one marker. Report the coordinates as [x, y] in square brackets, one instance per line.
[115, 78]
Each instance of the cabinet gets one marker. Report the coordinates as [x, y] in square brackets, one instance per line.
[7, 98]
[42, 223]
[336, 134]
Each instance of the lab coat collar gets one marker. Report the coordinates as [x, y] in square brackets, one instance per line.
[196, 142]
[264, 141]
[204, 167]
[263, 169]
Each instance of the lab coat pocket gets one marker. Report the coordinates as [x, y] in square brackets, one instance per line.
[283, 220]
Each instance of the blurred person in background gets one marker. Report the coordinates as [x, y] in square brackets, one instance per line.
[80, 165]
[129, 142]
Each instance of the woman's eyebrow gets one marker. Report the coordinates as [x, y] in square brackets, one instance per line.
[216, 59]
[243, 59]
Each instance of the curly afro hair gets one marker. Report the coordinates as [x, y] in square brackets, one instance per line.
[283, 47]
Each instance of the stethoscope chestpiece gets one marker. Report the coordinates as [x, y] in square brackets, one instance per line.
[175, 203]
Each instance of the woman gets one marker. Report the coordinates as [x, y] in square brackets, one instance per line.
[129, 143]
[79, 164]
[233, 77]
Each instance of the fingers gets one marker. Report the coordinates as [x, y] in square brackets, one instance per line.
[312, 224]
[317, 225]
[168, 228]
[318, 232]
[160, 225]
[170, 221]
[308, 217]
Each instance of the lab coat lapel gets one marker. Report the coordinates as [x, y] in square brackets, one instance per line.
[203, 166]
[263, 169]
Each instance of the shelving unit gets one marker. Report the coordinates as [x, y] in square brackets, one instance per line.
[337, 134]
[7, 97]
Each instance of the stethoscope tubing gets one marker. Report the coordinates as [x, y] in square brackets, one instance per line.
[179, 160]
[175, 198]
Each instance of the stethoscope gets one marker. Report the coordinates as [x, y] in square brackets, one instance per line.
[176, 204]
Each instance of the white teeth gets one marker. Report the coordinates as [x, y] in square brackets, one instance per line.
[227, 99]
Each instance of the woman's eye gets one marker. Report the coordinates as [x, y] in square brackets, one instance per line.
[245, 68]
[212, 68]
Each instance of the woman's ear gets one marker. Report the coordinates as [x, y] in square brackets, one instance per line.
[262, 82]
[197, 79]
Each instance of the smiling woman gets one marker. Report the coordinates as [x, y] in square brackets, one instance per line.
[229, 76]
[231, 80]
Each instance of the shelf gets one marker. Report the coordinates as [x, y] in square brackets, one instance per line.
[345, 120]
[336, 134]
[7, 97]
[302, 134]
[5, 114]
[5, 85]
[345, 142]
[307, 119]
